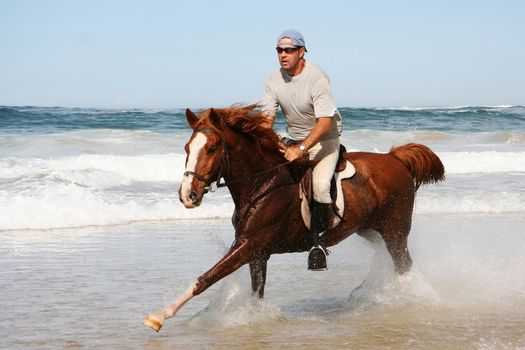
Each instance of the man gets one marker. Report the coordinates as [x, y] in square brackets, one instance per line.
[303, 92]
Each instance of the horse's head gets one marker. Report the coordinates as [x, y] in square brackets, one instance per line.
[205, 152]
[239, 132]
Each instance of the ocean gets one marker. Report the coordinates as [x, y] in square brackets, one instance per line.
[84, 167]
[91, 223]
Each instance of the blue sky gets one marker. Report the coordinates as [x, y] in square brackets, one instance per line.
[170, 54]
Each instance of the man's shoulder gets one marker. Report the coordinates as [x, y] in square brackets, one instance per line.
[276, 79]
[316, 72]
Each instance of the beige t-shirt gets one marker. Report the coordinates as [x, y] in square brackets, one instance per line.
[303, 98]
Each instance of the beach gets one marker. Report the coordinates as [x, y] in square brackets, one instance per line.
[91, 287]
[93, 238]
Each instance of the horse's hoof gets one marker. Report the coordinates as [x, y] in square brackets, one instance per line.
[153, 323]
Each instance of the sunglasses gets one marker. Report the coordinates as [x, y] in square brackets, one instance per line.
[286, 49]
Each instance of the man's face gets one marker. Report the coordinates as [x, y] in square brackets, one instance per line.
[289, 60]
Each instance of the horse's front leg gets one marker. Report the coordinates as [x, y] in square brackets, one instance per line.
[258, 275]
[239, 254]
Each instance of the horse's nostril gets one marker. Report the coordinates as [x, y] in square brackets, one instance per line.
[193, 196]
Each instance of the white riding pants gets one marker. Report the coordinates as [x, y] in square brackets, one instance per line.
[325, 153]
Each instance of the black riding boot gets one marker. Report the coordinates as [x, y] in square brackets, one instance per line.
[321, 213]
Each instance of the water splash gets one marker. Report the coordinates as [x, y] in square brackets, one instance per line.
[383, 286]
[233, 305]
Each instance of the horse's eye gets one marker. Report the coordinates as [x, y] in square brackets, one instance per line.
[212, 150]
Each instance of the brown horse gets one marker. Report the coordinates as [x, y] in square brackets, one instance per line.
[234, 144]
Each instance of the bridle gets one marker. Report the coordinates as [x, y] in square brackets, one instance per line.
[225, 165]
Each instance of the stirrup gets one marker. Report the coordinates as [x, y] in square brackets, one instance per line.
[317, 259]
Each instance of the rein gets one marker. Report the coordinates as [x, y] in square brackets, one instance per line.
[243, 178]
[225, 162]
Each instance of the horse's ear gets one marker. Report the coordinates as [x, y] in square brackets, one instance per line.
[215, 118]
[191, 118]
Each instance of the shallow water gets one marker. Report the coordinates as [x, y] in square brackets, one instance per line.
[91, 288]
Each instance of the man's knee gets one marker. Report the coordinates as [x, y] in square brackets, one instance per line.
[322, 192]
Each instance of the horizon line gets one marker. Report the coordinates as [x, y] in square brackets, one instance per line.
[415, 107]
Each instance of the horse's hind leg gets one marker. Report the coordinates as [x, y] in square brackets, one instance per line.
[395, 230]
[399, 251]
[258, 275]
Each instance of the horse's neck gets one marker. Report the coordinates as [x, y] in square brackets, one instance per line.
[245, 160]
[252, 189]
[250, 172]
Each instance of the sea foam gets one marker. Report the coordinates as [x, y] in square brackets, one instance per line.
[104, 189]
[170, 166]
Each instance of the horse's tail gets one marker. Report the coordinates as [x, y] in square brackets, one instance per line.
[424, 165]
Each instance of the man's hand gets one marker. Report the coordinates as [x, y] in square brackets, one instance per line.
[293, 152]
[322, 127]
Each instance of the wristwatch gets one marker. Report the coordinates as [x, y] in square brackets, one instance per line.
[302, 148]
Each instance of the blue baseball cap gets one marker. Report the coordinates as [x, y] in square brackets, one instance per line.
[297, 38]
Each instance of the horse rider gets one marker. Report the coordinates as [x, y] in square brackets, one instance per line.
[302, 91]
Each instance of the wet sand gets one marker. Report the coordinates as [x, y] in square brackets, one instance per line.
[90, 288]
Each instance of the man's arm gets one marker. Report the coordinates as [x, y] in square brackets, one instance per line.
[320, 130]
[269, 105]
